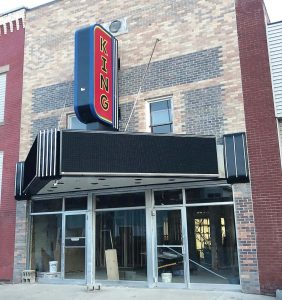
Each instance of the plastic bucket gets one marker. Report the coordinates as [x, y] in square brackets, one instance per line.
[166, 277]
[53, 266]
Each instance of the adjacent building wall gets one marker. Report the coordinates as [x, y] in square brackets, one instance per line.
[11, 63]
[262, 139]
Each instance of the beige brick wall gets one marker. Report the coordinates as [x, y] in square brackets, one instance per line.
[183, 27]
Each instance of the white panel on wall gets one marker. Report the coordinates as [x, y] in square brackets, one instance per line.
[274, 37]
[280, 136]
[1, 171]
[2, 95]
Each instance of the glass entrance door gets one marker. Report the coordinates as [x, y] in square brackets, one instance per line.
[169, 254]
[75, 246]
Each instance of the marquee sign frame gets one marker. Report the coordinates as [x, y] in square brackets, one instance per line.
[95, 79]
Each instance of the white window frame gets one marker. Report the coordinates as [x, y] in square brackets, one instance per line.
[69, 117]
[148, 111]
[1, 172]
[279, 134]
[3, 92]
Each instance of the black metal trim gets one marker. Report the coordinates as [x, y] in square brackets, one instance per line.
[47, 150]
[55, 154]
[236, 158]
[19, 176]
[41, 165]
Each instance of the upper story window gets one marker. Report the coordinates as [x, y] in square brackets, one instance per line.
[74, 123]
[2, 95]
[161, 116]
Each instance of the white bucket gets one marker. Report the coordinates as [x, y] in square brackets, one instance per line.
[53, 266]
[166, 277]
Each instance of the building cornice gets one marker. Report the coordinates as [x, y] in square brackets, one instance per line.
[10, 19]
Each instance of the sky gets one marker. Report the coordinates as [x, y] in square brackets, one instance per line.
[8, 5]
[274, 7]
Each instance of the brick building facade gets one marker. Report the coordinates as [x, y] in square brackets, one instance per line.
[11, 74]
[202, 64]
[263, 142]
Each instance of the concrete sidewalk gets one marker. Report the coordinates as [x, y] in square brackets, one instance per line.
[78, 292]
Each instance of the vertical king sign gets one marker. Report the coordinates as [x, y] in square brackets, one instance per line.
[95, 79]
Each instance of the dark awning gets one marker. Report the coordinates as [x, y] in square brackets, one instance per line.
[58, 160]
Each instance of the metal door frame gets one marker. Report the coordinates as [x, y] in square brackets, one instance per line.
[182, 210]
[64, 215]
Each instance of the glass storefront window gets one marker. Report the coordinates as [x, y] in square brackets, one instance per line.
[46, 242]
[123, 232]
[169, 227]
[50, 205]
[168, 197]
[76, 203]
[120, 236]
[120, 200]
[212, 245]
[209, 195]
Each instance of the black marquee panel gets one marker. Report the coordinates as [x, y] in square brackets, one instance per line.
[72, 153]
[236, 158]
[93, 152]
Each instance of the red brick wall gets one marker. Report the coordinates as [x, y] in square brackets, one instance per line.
[11, 53]
[264, 159]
